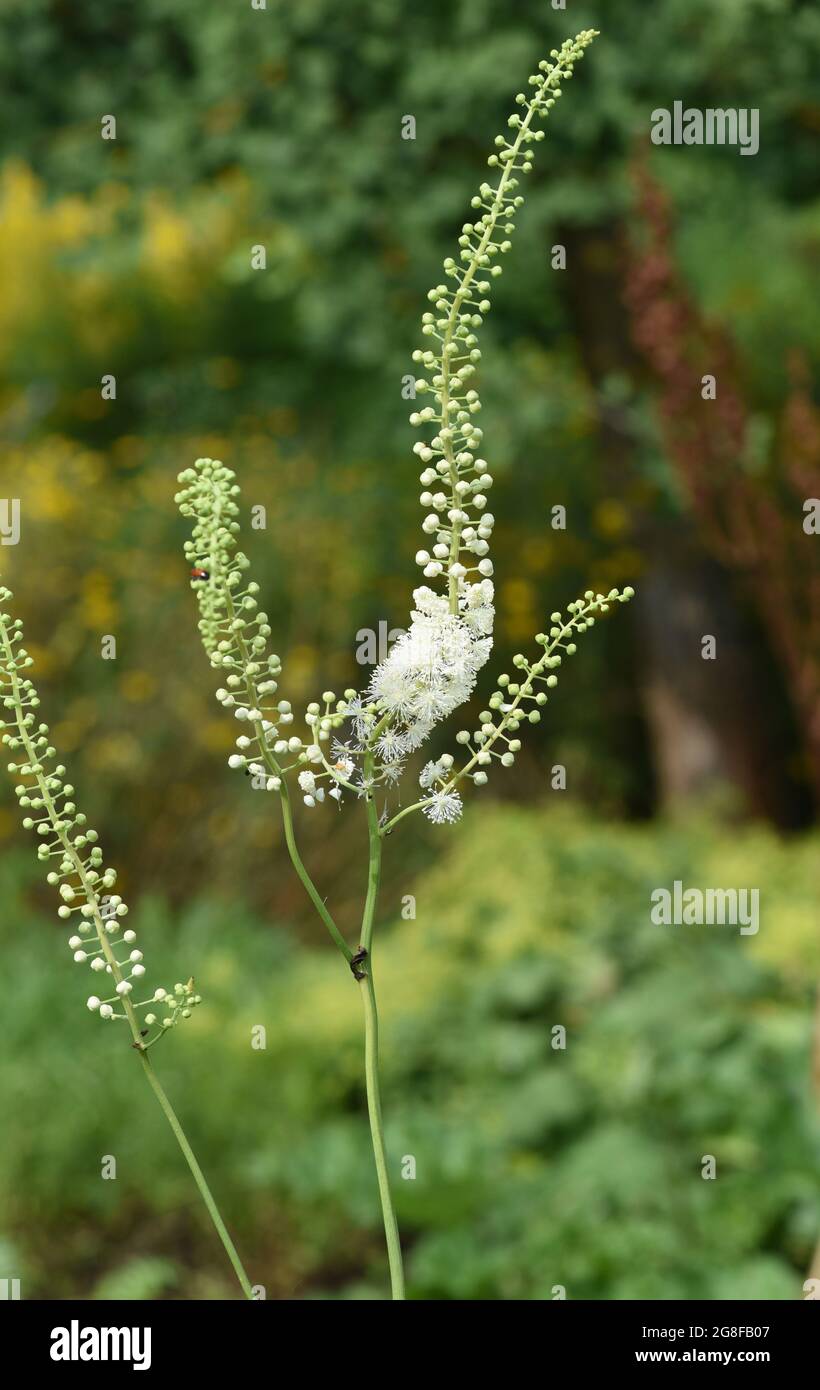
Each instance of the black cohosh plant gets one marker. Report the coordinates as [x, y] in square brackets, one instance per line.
[69, 849]
[357, 744]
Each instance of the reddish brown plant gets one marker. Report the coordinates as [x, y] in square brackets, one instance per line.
[751, 520]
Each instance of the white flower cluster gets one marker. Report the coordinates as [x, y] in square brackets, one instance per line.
[444, 805]
[429, 672]
[432, 668]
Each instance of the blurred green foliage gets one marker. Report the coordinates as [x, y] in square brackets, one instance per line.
[282, 128]
[535, 1167]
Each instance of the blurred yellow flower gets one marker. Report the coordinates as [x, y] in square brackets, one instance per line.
[518, 609]
[213, 735]
[115, 753]
[610, 518]
[536, 553]
[137, 686]
[168, 240]
[43, 657]
[98, 610]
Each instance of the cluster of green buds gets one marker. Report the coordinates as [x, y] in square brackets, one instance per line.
[173, 1005]
[455, 479]
[234, 630]
[518, 699]
[69, 846]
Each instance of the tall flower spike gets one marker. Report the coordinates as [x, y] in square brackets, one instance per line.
[455, 479]
[83, 881]
[70, 847]
[432, 669]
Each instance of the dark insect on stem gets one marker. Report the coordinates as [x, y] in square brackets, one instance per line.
[355, 962]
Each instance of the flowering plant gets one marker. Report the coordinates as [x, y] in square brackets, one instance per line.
[77, 870]
[357, 744]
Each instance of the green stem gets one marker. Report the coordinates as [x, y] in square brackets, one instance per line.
[386, 829]
[198, 1175]
[371, 1048]
[374, 864]
[310, 886]
[374, 1110]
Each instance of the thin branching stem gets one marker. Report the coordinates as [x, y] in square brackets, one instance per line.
[197, 1174]
[371, 1054]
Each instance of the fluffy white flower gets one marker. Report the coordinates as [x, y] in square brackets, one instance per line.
[391, 685]
[432, 668]
[443, 807]
[477, 609]
[416, 733]
[363, 723]
[391, 746]
[430, 774]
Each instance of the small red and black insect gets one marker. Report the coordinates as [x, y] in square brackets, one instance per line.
[197, 573]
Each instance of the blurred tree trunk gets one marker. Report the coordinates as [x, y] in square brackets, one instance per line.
[709, 727]
[710, 722]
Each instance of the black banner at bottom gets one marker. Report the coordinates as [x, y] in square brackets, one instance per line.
[80, 1339]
